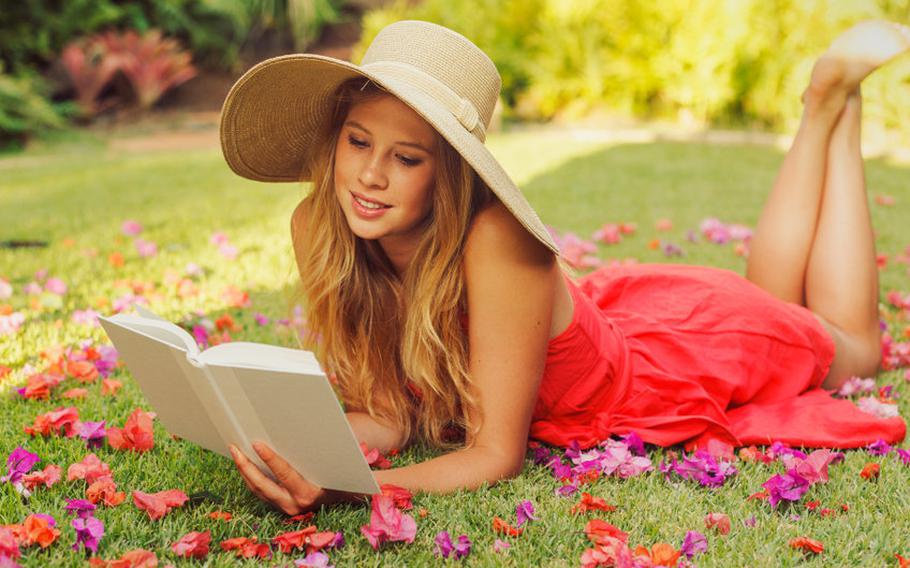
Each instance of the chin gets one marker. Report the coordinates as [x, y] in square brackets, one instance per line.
[365, 233]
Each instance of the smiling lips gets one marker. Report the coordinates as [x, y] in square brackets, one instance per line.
[367, 208]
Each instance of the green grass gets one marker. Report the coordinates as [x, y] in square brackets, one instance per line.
[181, 198]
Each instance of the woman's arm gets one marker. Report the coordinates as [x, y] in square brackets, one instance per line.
[511, 283]
[374, 433]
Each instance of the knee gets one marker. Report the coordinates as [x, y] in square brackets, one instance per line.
[869, 355]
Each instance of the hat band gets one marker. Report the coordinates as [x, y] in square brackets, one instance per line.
[461, 108]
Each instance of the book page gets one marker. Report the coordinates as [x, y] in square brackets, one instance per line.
[172, 385]
[260, 355]
[300, 417]
[159, 329]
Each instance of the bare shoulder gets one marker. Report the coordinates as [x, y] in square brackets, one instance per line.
[496, 235]
[300, 218]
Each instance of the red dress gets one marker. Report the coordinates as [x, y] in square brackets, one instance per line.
[684, 354]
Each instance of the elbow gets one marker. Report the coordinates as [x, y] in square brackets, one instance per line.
[505, 467]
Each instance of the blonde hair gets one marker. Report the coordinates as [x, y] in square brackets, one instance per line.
[377, 331]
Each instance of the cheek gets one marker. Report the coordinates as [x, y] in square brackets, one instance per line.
[339, 175]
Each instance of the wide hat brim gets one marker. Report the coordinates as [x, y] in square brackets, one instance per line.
[273, 114]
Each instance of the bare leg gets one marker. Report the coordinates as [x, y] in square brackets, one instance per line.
[780, 248]
[814, 243]
[842, 276]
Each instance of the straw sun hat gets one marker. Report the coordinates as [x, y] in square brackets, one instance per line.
[273, 112]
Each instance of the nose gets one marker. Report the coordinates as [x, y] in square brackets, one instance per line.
[372, 174]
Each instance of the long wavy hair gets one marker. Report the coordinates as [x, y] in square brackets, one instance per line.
[377, 330]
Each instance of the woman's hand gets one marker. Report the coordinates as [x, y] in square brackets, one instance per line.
[292, 494]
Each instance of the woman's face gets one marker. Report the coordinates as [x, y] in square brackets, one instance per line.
[385, 170]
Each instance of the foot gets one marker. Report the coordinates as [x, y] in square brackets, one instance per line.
[853, 56]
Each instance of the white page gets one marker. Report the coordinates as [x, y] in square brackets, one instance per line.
[147, 313]
[159, 329]
[260, 355]
[300, 417]
[169, 382]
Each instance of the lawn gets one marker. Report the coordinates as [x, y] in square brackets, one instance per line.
[76, 202]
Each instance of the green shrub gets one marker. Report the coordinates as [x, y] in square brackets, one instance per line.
[24, 110]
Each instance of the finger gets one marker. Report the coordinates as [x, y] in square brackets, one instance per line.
[235, 455]
[268, 489]
[284, 472]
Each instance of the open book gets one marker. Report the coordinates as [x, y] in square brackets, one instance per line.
[240, 392]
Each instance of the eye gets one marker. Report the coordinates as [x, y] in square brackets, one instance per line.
[356, 142]
[409, 162]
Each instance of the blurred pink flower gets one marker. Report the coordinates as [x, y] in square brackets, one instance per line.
[218, 238]
[720, 233]
[127, 300]
[663, 224]
[5, 289]
[855, 385]
[11, 323]
[32, 288]
[884, 200]
[85, 317]
[131, 228]
[41, 274]
[193, 269]
[227, 250]
[146, 248]
[670, 249]
[55, 286]
[609, 234]
[871, 405]
[577, 252]
[898, 300]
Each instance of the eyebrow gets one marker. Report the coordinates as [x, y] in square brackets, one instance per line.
[356, 124]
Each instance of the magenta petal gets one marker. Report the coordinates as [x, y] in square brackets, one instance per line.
[443, 544]
[19, 462]
[89, 531]
[525, 512]
[79, 507]
[789, 486]
[694, 543]
[463, 548]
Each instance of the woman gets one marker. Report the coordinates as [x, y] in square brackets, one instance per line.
[435, 295]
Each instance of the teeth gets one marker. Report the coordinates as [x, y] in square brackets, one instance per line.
[368, 204]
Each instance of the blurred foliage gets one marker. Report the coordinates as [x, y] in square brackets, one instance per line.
[301, 21]
[33, 33]
[713, 61]
[24, 108]
[150, 63]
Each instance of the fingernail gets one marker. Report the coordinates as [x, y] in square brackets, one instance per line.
[233, 450]
[259, 447]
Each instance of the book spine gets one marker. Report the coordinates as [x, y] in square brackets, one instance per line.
[236, 436]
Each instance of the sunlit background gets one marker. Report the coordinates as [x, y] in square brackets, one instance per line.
[731, 64]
